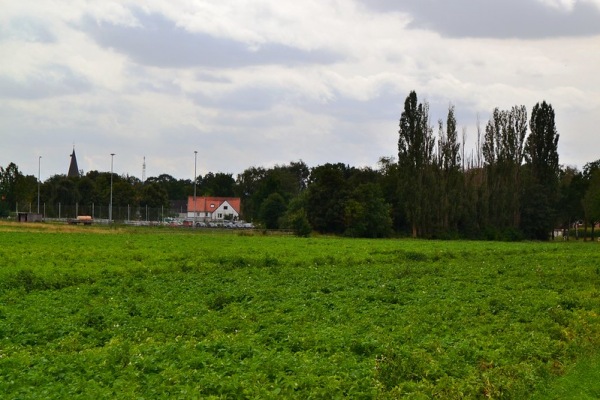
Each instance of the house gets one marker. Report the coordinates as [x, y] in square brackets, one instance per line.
[213, 208]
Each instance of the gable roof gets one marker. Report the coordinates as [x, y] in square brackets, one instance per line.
[210, 204]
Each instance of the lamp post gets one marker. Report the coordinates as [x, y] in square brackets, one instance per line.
[195, 179]
[39, 167]
[111, 189]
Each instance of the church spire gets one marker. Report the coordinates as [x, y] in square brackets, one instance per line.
[73, 169]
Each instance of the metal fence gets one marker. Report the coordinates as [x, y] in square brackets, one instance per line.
[99, 213]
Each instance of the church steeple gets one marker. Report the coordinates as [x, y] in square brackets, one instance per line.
[73, 169]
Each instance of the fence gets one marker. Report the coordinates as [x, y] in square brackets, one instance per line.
[97, 212]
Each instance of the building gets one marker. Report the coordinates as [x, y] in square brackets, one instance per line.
[73, 168]
[214, 208]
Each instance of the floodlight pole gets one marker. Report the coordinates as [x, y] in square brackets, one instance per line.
[195, 179]
[111, 189]
[39, 167]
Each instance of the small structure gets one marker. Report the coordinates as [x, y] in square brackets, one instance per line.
[29, 217]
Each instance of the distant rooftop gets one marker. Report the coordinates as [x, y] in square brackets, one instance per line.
[73, 169]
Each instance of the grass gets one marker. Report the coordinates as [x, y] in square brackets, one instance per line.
[580, 382]
[151, 313]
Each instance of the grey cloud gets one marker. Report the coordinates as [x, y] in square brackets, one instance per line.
[56, 80]
[383, 106]
[159, 42]
[251, 98]
[495, 19]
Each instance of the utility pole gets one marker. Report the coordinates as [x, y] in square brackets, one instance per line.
[112, 155]
[39, 167]
[195, 179]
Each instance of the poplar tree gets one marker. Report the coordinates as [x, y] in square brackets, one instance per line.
[503, 151]
[415, 149]
[541, 150]
[541, 156]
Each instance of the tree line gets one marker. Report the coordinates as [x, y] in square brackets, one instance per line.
[510, 187]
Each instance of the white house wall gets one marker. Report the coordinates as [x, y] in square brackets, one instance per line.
[221, 210]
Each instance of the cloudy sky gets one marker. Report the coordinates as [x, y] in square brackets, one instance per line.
[265, 82]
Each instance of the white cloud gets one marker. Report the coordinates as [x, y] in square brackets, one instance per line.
[568, 5]
[322, 81]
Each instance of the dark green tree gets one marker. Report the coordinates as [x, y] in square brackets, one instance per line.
[541, 149]
[154, 195]
[449, 180]
[541, 156]
[9, 178]
[177, 189]
[295, 218]
[217, 185]
[248, 184]
[367, 214]
[503, 152]
[415, 150]
[389, 181]
[328, 191]
[272, 209]
[591, 200]
[571, 191]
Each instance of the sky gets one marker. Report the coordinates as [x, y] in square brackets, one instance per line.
[267, 82]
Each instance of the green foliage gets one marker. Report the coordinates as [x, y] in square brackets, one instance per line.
[148, 314]
[271, 210]
[326, 199]
[415, 152]
[367, 213]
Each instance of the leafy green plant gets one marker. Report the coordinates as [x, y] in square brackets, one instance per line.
[153, 313]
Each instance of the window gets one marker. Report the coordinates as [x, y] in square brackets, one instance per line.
[220, 216]
[226, 207]
[212, 206]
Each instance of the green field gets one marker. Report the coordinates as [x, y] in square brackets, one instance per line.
[158, 313]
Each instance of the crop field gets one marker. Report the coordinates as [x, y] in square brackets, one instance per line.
[103, 313]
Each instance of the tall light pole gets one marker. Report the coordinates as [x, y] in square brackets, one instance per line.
[111, 183]
[195, 179]
[39, 167]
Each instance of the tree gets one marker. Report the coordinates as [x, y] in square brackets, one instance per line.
[247, 186]
[541, 149]
[177, 189]
[449, 182]
[591, 201]
[367, 214]
[503, 152]
[9, 177]
[87, 190]
[295, 218]
[541, 156]
[591, 183]
[415, 149]
[218, 185]
[272, 209]
[154, 195]
[326, 199]
[389, 180]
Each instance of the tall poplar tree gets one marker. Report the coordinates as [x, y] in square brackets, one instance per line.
[541, 156]
[450, 181]
[415, 149]
[503, 151]
[541, 149]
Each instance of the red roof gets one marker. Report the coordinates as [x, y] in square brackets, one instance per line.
[210, 204]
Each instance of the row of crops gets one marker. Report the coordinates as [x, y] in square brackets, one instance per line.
[147, 313]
